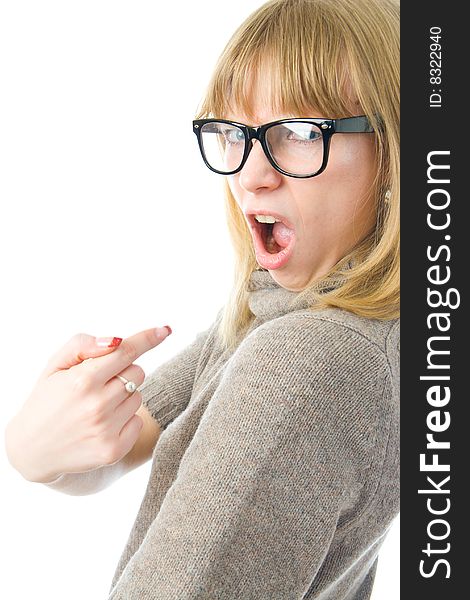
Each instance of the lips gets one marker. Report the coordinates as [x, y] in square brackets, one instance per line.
[250, 215]
[265, 258]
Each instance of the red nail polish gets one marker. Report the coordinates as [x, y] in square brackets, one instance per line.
[169, 329]
[108, 342]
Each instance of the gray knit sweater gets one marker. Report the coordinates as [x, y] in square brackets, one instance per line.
[276, 476]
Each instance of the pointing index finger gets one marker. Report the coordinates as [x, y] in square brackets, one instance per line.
[109, 365]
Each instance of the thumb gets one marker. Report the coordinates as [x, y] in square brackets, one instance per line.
[80, 347]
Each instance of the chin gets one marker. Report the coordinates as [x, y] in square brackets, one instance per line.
[288, 280]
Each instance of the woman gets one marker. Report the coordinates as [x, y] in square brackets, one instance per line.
[276, 472]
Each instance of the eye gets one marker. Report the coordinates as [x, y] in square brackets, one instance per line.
[303, 134]
[234, 136]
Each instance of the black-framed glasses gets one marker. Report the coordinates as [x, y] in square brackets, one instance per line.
[294, 147]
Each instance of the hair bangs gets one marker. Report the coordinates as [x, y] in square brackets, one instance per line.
[303, 69]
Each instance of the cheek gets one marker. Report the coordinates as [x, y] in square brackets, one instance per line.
[339, 195]
[354, 165]
[234, 188]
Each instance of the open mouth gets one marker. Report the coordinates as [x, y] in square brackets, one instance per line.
[273, 242]
[266, 232]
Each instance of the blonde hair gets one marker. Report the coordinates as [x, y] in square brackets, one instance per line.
[316, 54]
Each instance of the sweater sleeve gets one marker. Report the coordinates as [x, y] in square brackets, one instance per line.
[285, 438]
[167, 390]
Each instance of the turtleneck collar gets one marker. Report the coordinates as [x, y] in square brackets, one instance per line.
[268, 300]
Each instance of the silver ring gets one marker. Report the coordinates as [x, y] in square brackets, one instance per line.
[129, 385]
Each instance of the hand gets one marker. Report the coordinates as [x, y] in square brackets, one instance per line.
[79, 416]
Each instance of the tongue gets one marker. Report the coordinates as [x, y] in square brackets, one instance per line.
[282, 234]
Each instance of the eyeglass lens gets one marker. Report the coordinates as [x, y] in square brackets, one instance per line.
[295, 147]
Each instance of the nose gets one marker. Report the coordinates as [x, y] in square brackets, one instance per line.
[257, 172]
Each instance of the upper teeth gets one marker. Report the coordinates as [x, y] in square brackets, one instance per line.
[266, 219]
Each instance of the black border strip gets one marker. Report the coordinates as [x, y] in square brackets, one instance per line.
[434, 323]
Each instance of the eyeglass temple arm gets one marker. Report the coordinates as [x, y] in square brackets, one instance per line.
[353, 125]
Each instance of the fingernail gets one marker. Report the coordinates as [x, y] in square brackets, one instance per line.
[167, 327]
[108, 342]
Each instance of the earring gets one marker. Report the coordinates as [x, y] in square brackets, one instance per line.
[388, 195]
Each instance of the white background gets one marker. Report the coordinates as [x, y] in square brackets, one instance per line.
[110, 224]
